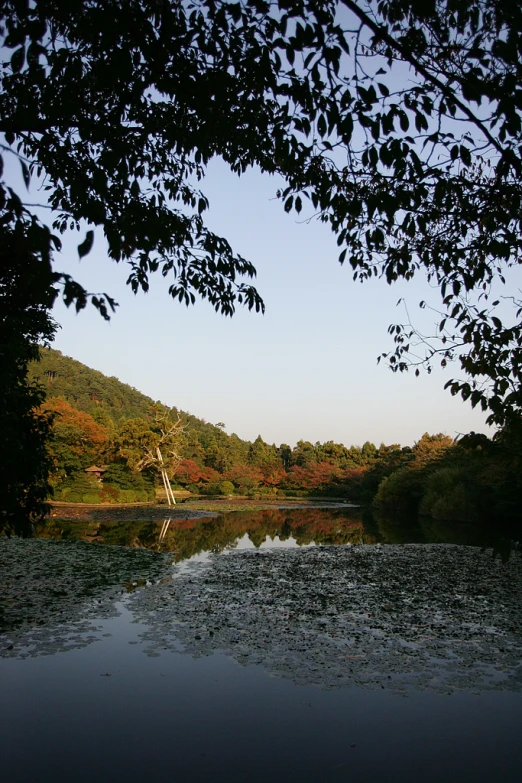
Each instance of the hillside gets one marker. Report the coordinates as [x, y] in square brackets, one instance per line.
[87, 389]
[102, 421]
[93, 392]
[94, 412]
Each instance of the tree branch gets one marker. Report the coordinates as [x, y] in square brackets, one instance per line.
[385, 36]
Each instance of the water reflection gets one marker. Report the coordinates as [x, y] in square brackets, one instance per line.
[185, 538]
[363, 623]
[164, 528]
[51, 591]
[311, 594]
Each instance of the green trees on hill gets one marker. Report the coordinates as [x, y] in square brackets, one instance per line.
[86, 389]
[474, 479]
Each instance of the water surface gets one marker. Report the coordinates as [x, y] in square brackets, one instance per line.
[263, 652]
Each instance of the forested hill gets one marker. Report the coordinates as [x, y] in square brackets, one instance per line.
[104, 397]
[86, 389]
[97, 417]
[101, 421]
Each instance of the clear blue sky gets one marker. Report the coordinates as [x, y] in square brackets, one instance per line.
[305, 370]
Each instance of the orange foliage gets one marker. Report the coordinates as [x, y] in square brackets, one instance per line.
[188, 472]
[77, 440]
[244, 476]
[88, 430]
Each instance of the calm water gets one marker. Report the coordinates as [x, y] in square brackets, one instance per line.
[395, 655]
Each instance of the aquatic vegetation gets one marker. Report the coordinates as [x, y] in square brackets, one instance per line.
[437, 617]
[434, 617]
[52, 592]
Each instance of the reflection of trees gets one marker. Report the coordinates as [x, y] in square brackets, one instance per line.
[187, 537]
[503, 542]
[399, 529]
[408, 529]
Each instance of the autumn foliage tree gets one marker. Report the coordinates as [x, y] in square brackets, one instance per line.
[25, 300]
[77, 440]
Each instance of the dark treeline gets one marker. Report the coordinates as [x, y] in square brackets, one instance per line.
[101, 421]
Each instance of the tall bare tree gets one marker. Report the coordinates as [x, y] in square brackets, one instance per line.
[162, 453]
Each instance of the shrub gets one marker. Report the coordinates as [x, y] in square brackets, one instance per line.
[74, 497]
[91, 497]
[76, 486]
[81, 488]
[121, 477]
[109, 494]
[212, 488]
[401, 492]
[127, 496]
[226, 488]
[449, 495]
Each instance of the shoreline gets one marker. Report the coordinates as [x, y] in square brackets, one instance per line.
[133, 512]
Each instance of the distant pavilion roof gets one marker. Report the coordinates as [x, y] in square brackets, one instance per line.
[95, 469]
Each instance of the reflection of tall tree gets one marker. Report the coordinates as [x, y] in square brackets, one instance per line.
[185, 538]
[188, 537]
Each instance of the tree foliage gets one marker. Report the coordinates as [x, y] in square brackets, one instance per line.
[76, 441]
[473, 479]
[25, 275]
[163, 452]
[397, 122]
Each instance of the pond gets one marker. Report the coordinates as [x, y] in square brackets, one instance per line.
[308, 644]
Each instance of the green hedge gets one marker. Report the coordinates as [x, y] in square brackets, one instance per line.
[81, 488]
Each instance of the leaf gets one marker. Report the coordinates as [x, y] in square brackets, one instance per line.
[346, 128]
[25, 174]
[465, 155]
[18, 59]
[86, 246]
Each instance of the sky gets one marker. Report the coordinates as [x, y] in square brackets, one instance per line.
[306, 369]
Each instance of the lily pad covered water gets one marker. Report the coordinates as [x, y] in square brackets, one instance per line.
[51, 592]
[424, 616]
[179, 655]
[437, 617]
